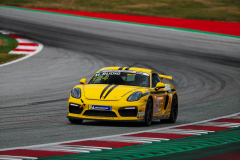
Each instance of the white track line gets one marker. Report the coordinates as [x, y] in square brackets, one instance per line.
[26, 47]
[222, 124]
[63, 150]
[23, 40]
[16, 157]
[113, 136]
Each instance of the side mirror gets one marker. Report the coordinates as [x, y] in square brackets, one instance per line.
[83, 81]
[160, 85]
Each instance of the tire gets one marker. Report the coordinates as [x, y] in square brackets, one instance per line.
[148, 113]
[75, 121]
[174, 111]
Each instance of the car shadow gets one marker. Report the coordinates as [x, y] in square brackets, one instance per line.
[116, 123]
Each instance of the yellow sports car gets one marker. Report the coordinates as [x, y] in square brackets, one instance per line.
[124, 94]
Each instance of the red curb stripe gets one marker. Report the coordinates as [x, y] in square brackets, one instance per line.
[227, 120]
[112, 144]
[28, 44]
[24, 50]
[34, 153]
[15, 36]
[200, 127]
[231, 156]
[158, 135]
[228, 28]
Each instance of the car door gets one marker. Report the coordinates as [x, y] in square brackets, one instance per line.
[159, 97]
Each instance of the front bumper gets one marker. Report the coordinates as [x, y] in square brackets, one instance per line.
[138, 120]
[84, 111]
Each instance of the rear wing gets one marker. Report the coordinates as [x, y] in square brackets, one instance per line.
[164, 76]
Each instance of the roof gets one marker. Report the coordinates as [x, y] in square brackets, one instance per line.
[128, 68]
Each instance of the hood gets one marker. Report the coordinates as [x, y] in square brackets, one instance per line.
[107, 91]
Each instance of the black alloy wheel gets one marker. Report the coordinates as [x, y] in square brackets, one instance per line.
[174, 111]
[148, 113]
[75, 121]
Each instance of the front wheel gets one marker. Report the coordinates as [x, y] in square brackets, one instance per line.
[75, 121]
[148, 113]
[174, 111]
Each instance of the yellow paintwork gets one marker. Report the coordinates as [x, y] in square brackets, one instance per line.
[160, 85]
[90, 95]
[83, 81]
[165, 76]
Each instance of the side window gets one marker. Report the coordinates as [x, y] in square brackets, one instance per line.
[155, 80]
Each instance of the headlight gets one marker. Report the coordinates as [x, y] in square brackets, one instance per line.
[76, 93]
[135, 96]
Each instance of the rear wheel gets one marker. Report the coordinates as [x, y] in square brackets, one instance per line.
[148, 113]
[75, 121]
[174, 111]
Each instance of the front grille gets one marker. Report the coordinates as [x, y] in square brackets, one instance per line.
[75, 109]
[124, 112]
[100, 113]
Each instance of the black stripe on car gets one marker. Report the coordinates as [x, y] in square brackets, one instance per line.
[104, 90]
[120, 68]
[159, 92]
[110, 90]
[127, 68]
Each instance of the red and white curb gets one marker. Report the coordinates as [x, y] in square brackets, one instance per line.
[25, 46]
[121, 140]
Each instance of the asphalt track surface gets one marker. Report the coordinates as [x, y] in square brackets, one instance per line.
[34, 92]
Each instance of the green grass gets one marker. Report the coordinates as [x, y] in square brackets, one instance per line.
[6, 45]
[9, 57]
[217, 10]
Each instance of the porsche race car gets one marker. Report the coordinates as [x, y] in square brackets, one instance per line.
[124, 94]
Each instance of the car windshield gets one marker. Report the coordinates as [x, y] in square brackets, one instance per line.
[121, 77]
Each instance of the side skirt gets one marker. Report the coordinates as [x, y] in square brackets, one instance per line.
[164, 116]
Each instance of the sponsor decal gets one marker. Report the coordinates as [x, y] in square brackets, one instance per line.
[156, 108]
[141, 114]
[118, 72]
[156, 105]
[98, 107]
[107, 73]
[168, 88]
